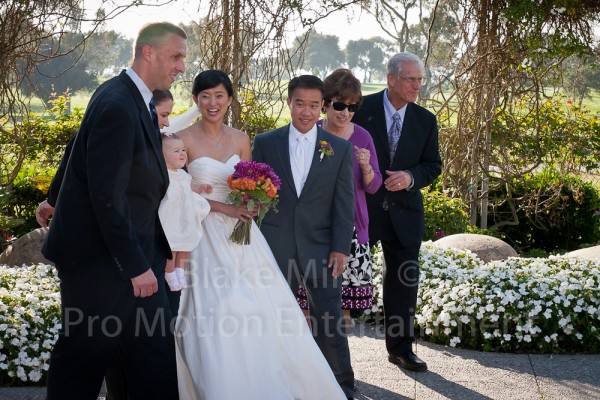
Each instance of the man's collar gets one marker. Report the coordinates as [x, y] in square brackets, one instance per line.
[311, 135]
[389, 108]
[139, 83]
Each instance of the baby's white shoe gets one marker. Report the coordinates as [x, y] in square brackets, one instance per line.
[180, 272]
[173, 281]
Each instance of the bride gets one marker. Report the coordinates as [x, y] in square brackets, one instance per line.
[240, 332]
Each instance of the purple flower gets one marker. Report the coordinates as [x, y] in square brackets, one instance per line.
[254, 170]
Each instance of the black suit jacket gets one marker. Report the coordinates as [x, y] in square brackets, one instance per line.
[106, 219]
[417, 152]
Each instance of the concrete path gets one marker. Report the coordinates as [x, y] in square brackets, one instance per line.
[453, 374]
[466, 374]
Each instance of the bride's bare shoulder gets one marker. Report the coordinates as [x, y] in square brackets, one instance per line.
[187, 132]
[234, 131]
[237, 134]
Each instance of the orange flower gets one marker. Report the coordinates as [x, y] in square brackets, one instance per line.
[242, 184]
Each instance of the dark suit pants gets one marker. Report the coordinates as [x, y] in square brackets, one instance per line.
[102, 318]
[116, 383]
[400, 286]
[324, 294]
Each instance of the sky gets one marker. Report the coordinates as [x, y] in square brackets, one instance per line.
[361, 26]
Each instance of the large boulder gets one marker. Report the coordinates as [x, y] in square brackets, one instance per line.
[26, 250]
[589, 253]
[487, 248]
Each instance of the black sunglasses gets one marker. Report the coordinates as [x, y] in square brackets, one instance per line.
[340, 106]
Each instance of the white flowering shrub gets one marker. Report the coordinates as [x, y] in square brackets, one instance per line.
[29, 322]
[537, 305]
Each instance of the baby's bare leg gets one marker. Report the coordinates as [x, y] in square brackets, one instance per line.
[171, 275]
[181, 264]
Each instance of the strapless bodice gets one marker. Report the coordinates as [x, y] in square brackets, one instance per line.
[208, 171]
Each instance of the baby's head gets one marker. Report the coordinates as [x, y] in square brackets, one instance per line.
[173, 151]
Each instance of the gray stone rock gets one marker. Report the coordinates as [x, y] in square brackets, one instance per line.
[26, 250]
[589, 253]
[487, 248]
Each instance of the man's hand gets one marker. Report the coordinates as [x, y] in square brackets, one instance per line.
[145, 285]
[43, 212]
[397, 180]
[338, 261]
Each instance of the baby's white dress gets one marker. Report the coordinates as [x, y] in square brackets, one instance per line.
[181, 212]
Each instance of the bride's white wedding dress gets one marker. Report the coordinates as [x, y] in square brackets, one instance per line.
[240, 333]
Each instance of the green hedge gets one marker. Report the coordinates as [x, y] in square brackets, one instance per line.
[556, 212]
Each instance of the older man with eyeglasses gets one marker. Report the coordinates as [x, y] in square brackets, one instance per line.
[406, 141]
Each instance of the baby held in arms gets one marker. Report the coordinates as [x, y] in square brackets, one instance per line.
[181, 212]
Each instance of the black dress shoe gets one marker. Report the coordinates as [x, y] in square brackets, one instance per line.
[409, 361]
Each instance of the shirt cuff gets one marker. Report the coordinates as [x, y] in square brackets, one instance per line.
[412, 180]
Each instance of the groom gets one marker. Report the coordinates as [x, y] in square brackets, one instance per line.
[311, 233]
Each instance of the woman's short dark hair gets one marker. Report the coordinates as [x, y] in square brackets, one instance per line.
[161, 95]
[210, 79]
[342, 85]
[305, 82]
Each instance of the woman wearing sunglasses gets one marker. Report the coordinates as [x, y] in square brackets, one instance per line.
[341, 100]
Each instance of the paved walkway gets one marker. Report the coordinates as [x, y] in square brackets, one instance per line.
[453, 374]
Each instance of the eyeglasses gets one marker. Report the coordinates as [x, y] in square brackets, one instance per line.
[420, 81]
[341, 106]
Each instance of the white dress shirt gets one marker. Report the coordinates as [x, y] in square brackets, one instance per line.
[139, 83]
[309, 147]
[390, 111]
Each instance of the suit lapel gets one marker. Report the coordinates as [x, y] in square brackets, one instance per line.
[147, 124]
[315, 165]
[283, 149]
[380, 132]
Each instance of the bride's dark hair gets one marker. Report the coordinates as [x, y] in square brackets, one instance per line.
[210, 79]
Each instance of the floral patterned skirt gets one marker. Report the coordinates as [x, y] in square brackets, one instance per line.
[357, 279]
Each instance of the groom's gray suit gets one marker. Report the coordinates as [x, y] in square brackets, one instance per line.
[307, 228]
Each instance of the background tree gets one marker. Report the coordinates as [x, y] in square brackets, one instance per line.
[581, 75]
[107, 53]
[508, 59]
[322, 53]
[368, 55]
[32, 33]
[394, 18]
[247, 40]
[69, 72]
[235, 35]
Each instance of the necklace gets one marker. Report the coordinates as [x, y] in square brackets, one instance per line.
[341, 135]
[218, 144]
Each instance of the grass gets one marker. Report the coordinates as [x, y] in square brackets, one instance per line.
[592, 102]
[183, 101]
[78, 100]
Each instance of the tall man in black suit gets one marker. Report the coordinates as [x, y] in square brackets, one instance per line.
[106, 238]
[311, 233]
[406, 141]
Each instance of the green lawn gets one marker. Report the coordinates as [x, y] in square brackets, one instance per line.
[183, 101]
[593, 102]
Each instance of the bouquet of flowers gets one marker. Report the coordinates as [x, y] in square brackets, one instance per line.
[255, 185]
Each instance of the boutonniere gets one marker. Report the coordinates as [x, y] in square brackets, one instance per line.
[325, 149]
